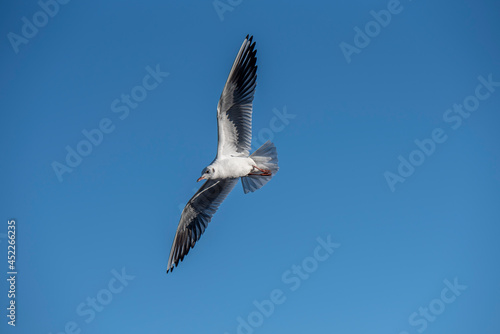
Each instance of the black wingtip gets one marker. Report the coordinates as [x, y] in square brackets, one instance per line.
[252, 47]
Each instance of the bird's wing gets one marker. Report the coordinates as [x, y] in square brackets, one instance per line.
[196, 215]
[234, 111]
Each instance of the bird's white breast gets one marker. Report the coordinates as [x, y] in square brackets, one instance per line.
[232, 167]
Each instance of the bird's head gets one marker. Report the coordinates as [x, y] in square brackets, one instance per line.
[207, 173]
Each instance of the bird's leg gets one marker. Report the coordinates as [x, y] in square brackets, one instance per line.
[265, 172]
[262, 170]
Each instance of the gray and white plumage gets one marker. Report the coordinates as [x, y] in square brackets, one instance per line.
[234, 125]
[234, 111]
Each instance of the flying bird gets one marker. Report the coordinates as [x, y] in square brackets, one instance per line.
[233, 160]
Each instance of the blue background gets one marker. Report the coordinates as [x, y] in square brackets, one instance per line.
[120, 207]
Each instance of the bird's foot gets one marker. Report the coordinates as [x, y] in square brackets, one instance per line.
[265, 172]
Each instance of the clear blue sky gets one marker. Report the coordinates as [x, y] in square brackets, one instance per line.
[358, 95]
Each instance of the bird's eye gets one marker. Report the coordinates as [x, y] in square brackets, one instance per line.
[206, 172]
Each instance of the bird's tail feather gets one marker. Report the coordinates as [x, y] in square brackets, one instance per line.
[266, 157]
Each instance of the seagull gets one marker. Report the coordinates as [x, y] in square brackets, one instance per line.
[233, 160]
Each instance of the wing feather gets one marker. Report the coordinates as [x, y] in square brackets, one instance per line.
[234, 111]
[196, 215]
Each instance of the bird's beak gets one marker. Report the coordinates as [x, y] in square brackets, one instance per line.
[201, 178]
